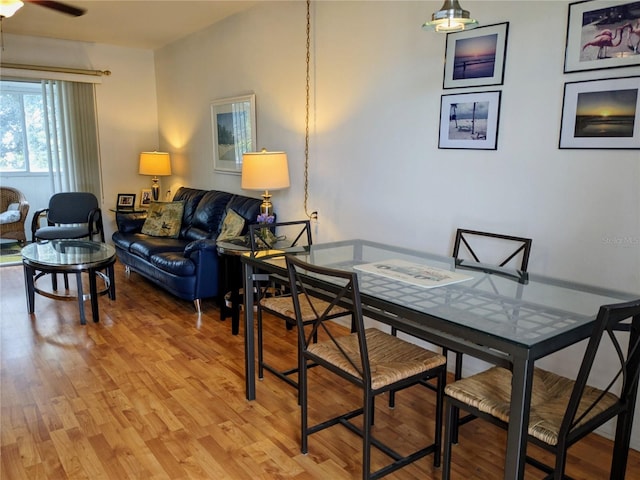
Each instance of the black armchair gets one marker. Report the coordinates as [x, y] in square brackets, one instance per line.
[69, 215]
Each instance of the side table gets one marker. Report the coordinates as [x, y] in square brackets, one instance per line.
[230, 280]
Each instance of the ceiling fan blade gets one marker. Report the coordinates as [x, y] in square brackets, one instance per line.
[60, 7]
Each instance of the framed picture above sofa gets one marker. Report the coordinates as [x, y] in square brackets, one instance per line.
[233, 128]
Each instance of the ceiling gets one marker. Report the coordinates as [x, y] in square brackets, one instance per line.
[147, 24]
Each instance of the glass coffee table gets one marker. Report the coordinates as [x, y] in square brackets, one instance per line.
[70, 257]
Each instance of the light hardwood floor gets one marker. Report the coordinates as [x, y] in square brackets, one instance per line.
[154, 392]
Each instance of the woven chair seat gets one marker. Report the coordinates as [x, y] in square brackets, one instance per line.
[490, 392]
[284, 306]
[391, 358]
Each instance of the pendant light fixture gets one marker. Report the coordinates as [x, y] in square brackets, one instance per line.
[9, 7]
[450, 18]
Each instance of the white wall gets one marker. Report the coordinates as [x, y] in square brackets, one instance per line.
[126, 105]
[376, 171]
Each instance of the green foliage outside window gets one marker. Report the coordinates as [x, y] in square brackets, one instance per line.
[23, 136]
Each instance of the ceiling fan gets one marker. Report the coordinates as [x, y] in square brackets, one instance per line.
[9, 7]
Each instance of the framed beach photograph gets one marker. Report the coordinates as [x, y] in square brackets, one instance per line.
[126, 201]
[233, 125]
[145, 197]
[602, 34]
[475, 58]
[601, 114]
[470, 121]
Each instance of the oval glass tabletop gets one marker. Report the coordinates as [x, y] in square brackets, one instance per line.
[68, 252]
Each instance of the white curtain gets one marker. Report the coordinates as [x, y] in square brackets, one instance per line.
[71, 126]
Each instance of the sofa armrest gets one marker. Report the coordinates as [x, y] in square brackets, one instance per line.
[200, 245]
[130, 222]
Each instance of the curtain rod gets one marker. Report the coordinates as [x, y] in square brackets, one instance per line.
[42, 68]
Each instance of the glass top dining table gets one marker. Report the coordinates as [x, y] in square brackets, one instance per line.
[502, 316]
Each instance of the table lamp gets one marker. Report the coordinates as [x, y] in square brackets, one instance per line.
[265, 171]
[156, 164]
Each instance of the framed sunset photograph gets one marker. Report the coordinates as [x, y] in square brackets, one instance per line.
[476, 57]
[601, 114]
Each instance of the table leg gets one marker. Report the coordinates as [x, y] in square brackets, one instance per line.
[235, 311]
[112, 282]
[29, 273]
[249, 343]
[83, 319]
[93, 292]
[521, 385]
[223, 282]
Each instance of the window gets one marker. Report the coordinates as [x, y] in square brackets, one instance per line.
[24, 133]
[48, 129]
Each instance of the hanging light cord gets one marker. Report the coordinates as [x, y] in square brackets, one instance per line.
[312, 215]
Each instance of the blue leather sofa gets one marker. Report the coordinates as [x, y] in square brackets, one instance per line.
[187, 266]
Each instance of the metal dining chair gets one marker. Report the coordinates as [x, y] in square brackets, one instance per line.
[477, 250]
[562, 411]
[484, 251]
[274, 298]
[370, 359]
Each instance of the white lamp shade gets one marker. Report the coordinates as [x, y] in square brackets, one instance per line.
[265, 170]
[9, 7]
[155, 163]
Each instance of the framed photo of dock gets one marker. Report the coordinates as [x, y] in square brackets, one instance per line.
[233, 128]
[601, 114]
[475, 58]
[602, 34]
[470, 121]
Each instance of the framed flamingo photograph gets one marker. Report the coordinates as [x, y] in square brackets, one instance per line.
[602, 34]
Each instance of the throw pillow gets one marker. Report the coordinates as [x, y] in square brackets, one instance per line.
[164, 219]
[10, 216]
[231, 226]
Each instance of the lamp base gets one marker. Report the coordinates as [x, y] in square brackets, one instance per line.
[266, 207]
[155, 189]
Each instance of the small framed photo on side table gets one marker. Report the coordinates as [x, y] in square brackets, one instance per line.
[145, 197]
[126, 201]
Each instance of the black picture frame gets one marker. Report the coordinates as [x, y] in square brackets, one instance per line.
[602, 34]
[601, 114]
[476, 58]
[470, 120]
[126, 201]
[233, 128]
